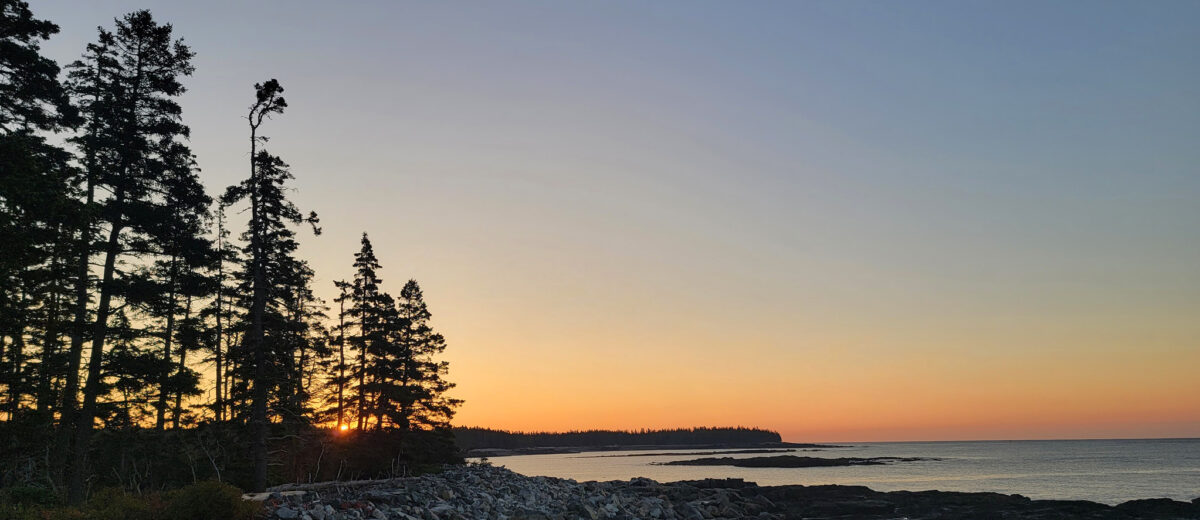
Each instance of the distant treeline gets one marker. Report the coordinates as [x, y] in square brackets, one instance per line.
[478, 438]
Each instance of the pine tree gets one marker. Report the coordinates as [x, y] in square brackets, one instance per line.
[271, 245]
[367, 310]
[33, 97]
[399, 381]
[36, 205]
[138, 143]
[134, 374]
[302, 343]
[113, 248]
[421, 375]
[339, 379]
[218, 338]
[92, 84]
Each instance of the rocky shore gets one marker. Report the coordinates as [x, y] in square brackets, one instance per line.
[471, 492]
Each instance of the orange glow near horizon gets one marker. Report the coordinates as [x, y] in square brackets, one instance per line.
[1061, 380]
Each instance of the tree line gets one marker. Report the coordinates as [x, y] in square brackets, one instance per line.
[129, 297]
[478, 438]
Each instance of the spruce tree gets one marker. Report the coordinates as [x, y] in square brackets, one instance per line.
[339, 378]
[271, 245]
[33, 98]
[367, 311]
[139, 134]
[400, 383]
[218, 338]
[92, 84]
[36, 206]
[133, 374]
[421, 375]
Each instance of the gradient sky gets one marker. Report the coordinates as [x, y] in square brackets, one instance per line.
[846, 221]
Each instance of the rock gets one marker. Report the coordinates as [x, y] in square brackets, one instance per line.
[1160, 508]
[592, 513]
[462, 493]
[442, 509]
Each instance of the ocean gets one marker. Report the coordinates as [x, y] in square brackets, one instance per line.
[1106, 471]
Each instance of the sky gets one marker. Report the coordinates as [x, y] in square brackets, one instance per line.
[845, 221]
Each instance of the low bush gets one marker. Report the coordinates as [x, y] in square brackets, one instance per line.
[115, 504]
[202, 501]
[210, 500]
[28, 496]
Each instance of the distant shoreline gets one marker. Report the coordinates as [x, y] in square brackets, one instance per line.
[554, 450]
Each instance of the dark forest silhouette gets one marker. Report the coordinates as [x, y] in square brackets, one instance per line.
[474, 438]
[121, 280]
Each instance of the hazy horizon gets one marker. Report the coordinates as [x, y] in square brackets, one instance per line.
[837, 220]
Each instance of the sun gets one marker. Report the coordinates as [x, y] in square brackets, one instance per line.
[344, 427]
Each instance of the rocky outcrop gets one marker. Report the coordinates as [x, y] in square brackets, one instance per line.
[471, 492]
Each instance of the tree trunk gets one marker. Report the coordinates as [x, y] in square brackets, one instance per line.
[219, 406]
[175, 417]
[67, 420]
[258, 404]
[50, 345]
[87, 414]
[164, 379]
[17, 355]
[362, 375]
[341, 359]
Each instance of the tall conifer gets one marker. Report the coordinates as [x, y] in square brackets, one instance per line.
[142, 142]
[271, 245]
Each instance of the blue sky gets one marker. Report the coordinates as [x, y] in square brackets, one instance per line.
[827, 184]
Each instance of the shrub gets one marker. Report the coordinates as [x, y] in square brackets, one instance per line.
[210, 500]
[28, 496]
[114, 504]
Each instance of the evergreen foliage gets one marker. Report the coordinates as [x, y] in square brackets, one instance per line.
[400, 383]
[476, 438]
[136, 325]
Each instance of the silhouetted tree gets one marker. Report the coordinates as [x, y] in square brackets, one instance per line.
[271, 244]
[36, 205]
[421, 377]
[134, 374]
[108, 242]
[217, 339]
[399, 381]
[92, 83]
[339, 379]
[33, 98]
[367, 308]
[140, 144]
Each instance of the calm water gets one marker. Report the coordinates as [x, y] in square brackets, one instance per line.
[1109, 471]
